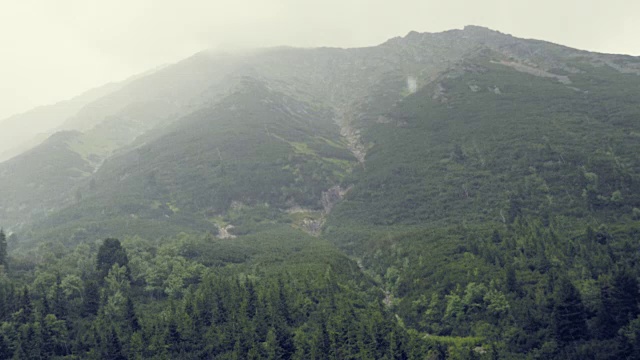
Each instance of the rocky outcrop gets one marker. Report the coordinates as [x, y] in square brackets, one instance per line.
[223, 232]
[332, 196]
[534, 71]
[312, 226]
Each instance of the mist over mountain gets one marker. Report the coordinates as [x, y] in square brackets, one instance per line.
[464, 194]
[23, 131]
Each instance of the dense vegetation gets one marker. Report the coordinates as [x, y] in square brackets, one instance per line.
[284, 295]
[188, 176]
[508, 215]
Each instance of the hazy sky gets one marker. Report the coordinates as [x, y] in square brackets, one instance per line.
[51, 50]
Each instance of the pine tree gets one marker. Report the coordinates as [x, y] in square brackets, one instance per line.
[5, 351]
[131, 318]
[283, 303]
[624, 298]
[323, 342]
[33, 341]
[253, 354]
[136, 346]
[173, 338]
[6, 300]
[25, 307]
[569, 313]
[3, 248]
[271, 345]
[110, 253]
[251, 299]
[113, 350]
[91, 298]
[496, 238]
[511, 280]
[59, 301]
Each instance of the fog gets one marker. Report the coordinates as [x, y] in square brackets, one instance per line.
[53, 50]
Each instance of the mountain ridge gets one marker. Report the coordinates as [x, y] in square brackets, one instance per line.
[420, 57]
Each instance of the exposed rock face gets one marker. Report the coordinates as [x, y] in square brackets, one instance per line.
[223, 232]
[332, 196]
[534, 71]
[440, 93]
[312, 226]
[356, 147]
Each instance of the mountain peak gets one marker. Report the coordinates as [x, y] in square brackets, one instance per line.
[479, 33]
[478, 29]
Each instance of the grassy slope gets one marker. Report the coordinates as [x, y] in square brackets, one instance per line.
[36, 179]
[464, 159]
[257, 147]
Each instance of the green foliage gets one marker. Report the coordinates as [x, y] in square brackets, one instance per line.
[110, 255]
[283, 153]
[473, 204]
[569, 314]
[3, 248]
[295, 297]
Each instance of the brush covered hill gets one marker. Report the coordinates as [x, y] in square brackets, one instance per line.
[500, 202]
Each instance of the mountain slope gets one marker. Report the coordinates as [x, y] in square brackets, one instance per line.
[492, 184]
[24, 131]
[485, 134]
[257, 148]
[335, 79]
[354, 88]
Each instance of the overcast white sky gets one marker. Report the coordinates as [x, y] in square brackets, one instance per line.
[51, 50]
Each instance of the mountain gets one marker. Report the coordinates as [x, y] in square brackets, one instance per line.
[24, 131]
[479, 189]
[352, 88]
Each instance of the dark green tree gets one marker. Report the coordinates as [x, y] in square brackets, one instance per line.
[110, 253]
[624, 298]
[5, 350]
[618, 304]
[59, 301]
[131, 317]
[569, 315]
[113, 349]
[173, 338]
[25, 307]
[511, 280]
[3, 248]
[91, 298]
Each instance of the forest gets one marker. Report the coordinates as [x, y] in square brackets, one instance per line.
[527, 292]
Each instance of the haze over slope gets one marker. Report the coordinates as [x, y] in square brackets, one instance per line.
[352, 88]
[23, 131]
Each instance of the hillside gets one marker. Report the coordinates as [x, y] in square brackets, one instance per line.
[464, 194]
[22, 132]
[192, 174]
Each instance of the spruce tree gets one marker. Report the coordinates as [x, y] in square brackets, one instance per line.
[5, 350]
[113, 350]
[25, 307]
[131, 317]
[624, 298]
[111, 252]
[91, 298]
[3, 248]
[569, 313]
